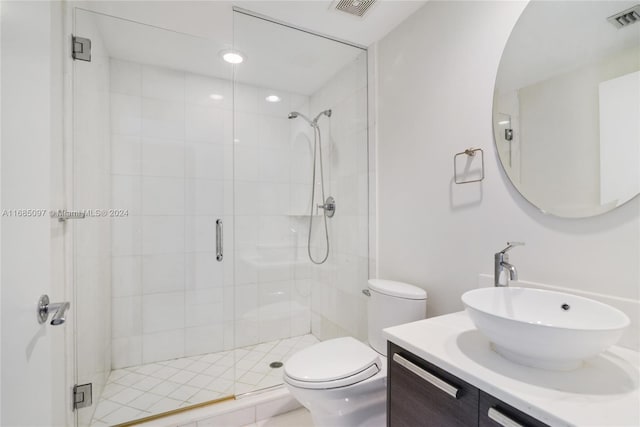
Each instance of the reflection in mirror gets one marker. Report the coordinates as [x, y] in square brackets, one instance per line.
[566, 110]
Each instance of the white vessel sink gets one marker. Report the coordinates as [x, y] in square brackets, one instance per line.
[544, 329]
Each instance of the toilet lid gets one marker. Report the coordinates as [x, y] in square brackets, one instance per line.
[334, 363]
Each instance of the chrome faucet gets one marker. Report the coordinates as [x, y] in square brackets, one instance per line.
[501, 263]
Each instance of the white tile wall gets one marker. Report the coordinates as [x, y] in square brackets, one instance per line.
[338, 305]
[177, 169]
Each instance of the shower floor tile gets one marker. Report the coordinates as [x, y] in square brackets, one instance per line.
[150, 389]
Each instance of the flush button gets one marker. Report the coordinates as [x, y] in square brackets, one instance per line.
[565, 307]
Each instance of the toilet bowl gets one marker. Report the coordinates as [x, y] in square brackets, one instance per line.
[342, 381]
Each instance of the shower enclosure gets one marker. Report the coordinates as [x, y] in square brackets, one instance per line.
[191, 264]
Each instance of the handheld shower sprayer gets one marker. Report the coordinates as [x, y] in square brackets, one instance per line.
[329, 204]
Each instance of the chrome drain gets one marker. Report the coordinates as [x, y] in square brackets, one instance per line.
[275, 365]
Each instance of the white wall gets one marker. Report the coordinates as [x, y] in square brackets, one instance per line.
[32, 354]
[435, 86]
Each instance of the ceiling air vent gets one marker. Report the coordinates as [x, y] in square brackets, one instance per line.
[354, 7]
[626, 17]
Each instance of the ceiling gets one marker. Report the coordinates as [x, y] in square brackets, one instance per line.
[188, 35]
[213, 19]
[321, 17]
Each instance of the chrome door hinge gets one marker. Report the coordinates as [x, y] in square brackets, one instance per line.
[82, 396]
[81, 48]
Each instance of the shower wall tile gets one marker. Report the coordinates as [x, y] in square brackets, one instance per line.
[162, 234]
[203, 160]
[246, 303]
[203, 271]
[163, 345]
[162, 83]
[126, 317]
[200, 232]
[275, 132]
[246, 163]
[246, 130]
[163, 157]
[246, 228]
[204, 197]
[198, 91]
[126, 275]
[126, 77]
[273, 165]
[338, 307]
[246, 197]
[166, 244]
[246, 99]
[163, 196]
[162, 273]
[162, 312]
[204, 124]
[126, 235]
[204, 307]
[162, 119]
[179, 162]
[204, 339]
[126, 154]
[273, 198]
[279, 109]
[126, 193]
[126, 114]
[126, 352]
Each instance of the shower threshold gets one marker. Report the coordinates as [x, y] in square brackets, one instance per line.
[163, 387]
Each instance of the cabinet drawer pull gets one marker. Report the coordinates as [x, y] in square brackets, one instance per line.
[430, 378]
[502, 419]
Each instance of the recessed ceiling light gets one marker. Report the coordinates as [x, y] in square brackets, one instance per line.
[272, 98]
[216, 97]
[232, 56]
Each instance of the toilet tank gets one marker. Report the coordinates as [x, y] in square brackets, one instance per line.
[390, 304]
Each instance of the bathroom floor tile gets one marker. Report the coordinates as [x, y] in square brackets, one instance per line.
[140, 391]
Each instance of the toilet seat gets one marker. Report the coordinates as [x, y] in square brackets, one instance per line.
[334, 363]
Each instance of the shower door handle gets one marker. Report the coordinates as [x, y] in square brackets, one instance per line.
[219, 240]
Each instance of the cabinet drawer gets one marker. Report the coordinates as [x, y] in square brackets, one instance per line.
[421, 394]
[496, 413]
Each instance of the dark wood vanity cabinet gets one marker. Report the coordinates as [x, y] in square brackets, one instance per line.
[420, 394]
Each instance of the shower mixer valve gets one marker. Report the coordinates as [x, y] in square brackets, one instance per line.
[329, 207]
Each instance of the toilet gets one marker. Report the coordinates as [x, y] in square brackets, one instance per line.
[343, 382]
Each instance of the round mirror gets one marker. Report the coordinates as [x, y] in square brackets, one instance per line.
[566, 107]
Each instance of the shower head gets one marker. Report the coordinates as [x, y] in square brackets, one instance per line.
[325, 113]
[295, 115]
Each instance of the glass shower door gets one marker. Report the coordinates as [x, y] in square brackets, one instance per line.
[152, 175]
[284, 302]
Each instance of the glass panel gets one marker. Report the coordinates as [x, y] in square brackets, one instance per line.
[152, 156]
[284, 300]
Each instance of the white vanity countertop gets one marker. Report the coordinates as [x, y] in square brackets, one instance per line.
[603, 392]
